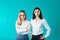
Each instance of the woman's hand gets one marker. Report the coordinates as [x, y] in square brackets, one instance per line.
[42, 37]
[31, 35]
[19, 22]
[28, 29]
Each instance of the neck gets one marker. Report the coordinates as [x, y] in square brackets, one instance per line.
[23, 20]
[37, 17]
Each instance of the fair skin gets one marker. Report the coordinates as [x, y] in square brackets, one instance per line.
[37, 13]
[22, 19]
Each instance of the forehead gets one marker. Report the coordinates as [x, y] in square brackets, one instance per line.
[36, 10]
[22, 13]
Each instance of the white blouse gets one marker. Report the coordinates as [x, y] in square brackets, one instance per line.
[23, 27]
[37, 27]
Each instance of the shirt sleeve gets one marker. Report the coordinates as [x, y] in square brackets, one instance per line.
[18, 30]
[47, 27]
[29, 27]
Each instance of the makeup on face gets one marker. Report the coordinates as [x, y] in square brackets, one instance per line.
[37, 12]
[22, 15]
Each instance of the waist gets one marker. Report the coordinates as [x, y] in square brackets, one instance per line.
[22, 34]
[37, 35]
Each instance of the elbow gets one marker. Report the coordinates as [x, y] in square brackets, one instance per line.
[49, 29]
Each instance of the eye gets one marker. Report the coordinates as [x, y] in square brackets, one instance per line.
[38, 11]
[35, 12]
[22, 15]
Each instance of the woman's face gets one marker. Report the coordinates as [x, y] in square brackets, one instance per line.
[37, 12]
[22, 15]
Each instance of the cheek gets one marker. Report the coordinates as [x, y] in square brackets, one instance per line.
[38, 13]
[24, 17]
[21, 17]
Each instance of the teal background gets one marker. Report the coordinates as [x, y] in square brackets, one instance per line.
[9, 12]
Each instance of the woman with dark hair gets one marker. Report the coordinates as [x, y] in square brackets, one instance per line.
[36, 23]
[22, 26]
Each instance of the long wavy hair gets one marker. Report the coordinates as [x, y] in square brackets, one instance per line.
[19, 16]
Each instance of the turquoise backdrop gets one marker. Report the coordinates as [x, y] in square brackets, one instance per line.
[9, 12]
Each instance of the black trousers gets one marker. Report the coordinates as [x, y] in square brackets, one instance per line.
[37, 37]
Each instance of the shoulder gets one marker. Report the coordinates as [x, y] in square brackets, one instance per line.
[31, 20]
[16, 22]
[27, 21]
[43, 20]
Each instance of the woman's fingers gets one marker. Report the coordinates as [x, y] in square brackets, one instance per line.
[41, 37]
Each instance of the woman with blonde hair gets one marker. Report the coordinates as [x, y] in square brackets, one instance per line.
[22, 26]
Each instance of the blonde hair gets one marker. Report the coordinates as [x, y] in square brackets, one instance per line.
[20, 15]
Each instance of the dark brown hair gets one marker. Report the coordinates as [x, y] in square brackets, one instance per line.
[40, 16]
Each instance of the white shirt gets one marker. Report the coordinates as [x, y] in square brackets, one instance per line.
[23, 27]
[37, 27]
